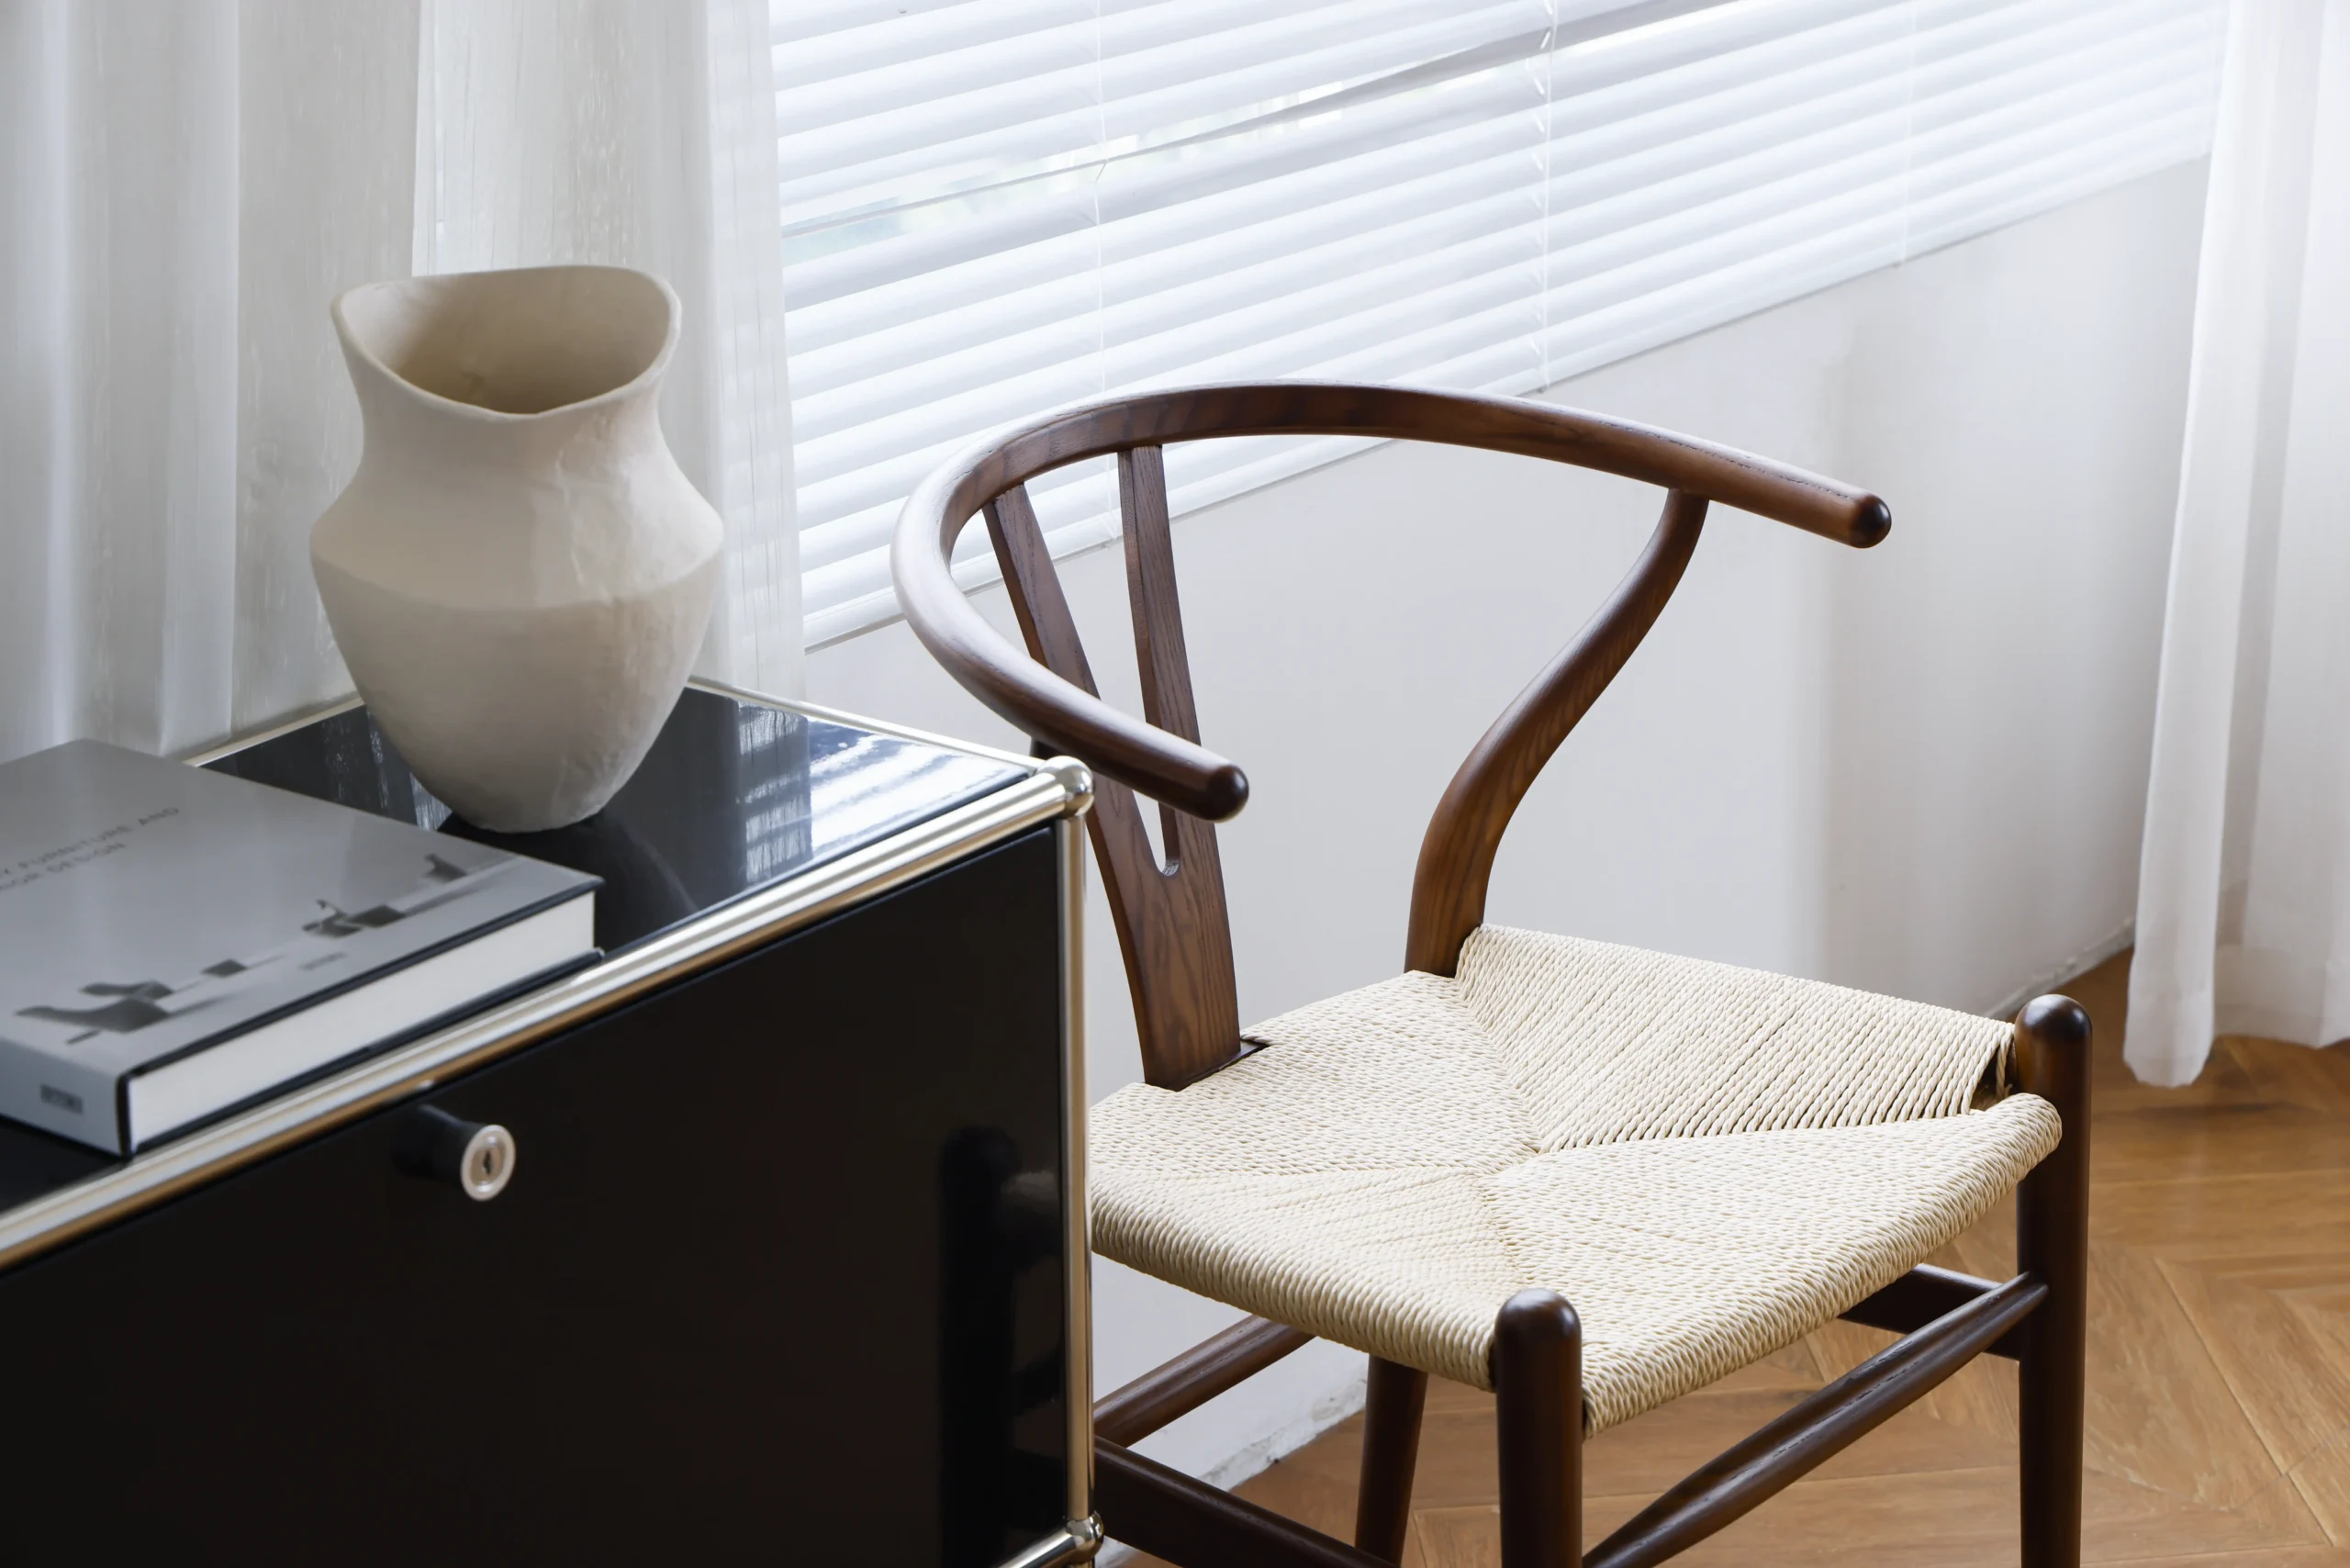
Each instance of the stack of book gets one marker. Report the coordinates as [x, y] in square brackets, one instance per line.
[176, 944]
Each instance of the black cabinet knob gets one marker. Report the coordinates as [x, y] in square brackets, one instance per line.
[477, 1156]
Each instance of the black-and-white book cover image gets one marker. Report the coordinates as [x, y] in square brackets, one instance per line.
[175, 943]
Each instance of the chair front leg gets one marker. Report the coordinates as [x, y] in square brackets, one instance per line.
[1537, 1389]
[1392, 1400]
[2052, 1242]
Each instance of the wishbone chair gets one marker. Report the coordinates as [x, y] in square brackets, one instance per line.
[1586, 1177]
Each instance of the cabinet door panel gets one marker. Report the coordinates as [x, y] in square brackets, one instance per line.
[768, 1284]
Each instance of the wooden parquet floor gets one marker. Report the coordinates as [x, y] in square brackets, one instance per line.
[2218, 1377]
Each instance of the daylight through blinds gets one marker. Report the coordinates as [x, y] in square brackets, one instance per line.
[996, 206]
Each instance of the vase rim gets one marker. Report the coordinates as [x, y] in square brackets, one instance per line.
[354, 343]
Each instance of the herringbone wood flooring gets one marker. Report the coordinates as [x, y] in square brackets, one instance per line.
[2219, 1379]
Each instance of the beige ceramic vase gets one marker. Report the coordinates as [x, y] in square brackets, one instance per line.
[518, 575]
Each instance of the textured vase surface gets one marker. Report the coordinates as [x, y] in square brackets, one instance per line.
[518, 575]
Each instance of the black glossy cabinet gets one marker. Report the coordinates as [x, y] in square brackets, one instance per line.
[779, 1277]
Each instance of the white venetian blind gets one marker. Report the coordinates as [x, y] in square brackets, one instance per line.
[995, 207]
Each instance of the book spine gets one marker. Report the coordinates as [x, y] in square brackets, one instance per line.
[57, 1094]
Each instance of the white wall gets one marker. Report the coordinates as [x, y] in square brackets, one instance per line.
[1918, 768]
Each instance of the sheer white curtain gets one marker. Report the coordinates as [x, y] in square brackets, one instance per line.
[183, 190]
[2244, 903]
[118, 371]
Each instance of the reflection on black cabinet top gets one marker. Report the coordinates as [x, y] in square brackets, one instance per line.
[734, 796]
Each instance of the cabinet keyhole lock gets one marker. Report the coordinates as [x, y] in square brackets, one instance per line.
[477, 1156]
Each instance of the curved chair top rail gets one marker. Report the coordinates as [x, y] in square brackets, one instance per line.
[1182, 773]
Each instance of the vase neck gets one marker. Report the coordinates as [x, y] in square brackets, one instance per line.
[508, 365]
[400, 418]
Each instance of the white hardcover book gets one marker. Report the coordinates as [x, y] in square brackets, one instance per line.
[175, 944]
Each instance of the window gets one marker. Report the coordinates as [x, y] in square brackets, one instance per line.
[996, 206]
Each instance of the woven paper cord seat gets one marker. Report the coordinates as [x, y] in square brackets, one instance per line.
[1709, 1161]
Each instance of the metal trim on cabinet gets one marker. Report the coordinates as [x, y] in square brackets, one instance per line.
[1077, 1241]
[206, 755]
[1077, 1542]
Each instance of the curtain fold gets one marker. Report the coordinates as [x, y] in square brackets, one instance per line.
[118, 186]
[2244, 903]
[326, 200]
[184, 188]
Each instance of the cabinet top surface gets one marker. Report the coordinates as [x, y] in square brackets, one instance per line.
[739, 801]
[734, 796]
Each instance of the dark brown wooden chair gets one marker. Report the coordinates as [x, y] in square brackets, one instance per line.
[1587, 1119]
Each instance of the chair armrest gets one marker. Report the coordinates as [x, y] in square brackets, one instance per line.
[1057, 713]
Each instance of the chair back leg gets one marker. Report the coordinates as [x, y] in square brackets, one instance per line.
[1537, 1389]
[2052, 1242]
[1393, 1399]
